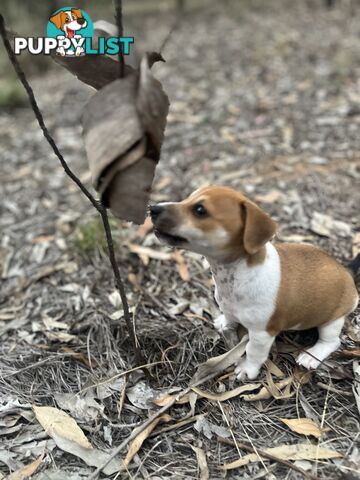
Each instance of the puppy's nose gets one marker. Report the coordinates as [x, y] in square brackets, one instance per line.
[155, 211]
[81, 21]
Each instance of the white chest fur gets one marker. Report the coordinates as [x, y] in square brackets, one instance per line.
[247, 294]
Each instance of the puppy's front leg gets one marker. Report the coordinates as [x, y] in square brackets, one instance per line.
[257, 352]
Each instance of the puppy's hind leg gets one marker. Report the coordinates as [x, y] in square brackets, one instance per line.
[328, 342]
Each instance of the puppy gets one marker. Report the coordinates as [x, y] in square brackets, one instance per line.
[265, 287]
[69, 21]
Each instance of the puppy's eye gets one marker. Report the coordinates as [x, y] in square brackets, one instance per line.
[67, 20]
[199, 210]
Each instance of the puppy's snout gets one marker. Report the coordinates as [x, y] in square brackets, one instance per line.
[155, 211]
[81, 21]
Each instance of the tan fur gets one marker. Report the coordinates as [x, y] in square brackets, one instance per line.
[249, 227]
[315, 289]
[59, 19]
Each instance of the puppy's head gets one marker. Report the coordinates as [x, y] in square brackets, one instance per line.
[217, 222]
[69, 21]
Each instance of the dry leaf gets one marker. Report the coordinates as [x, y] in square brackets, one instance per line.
[201, 459]
[304, 426]
[294, 237]
[301, 451]
[145, 228]
[356, 384]
[265, 393]
[91, 456]
[326, 226]
[134, 109]
[356, 244]
[222, 397]
[181, 266]
[56, 421]
[145, 253]
[221, 362]
[27, 471]
[167, 398]
[269, 197]
[139, 439]
[274, 369]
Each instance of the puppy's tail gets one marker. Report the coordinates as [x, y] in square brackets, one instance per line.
[354, 265]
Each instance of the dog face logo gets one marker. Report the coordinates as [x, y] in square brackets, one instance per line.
[70, 26]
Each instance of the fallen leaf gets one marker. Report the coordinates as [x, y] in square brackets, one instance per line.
[139, 439]
[274, 369]
[57, 422]
[222, 397]
[207, 428]
[145, 228]
[295, 237]
[201, 459]
[145, 253]
[265, 393]
[91, 456]
[356, 244]
[270, 197]
[356, 384]
[181, 266]
[301, 451]
[326, 226]
[304, 426]
[81, 408]
[221, 362]
[27, 471]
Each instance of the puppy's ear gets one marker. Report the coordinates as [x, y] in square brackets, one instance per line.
[58, 20]
[259, 228]
[77, 12]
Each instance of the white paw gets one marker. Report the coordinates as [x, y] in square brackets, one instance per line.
[221, 324]
[307, 361]
[246, 369]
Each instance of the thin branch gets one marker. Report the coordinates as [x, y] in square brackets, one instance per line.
[119, 23]
[96, 203]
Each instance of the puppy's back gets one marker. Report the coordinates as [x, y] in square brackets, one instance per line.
[315, 289]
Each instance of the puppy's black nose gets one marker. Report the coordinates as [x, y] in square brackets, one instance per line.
[155, 211]
[81, 21]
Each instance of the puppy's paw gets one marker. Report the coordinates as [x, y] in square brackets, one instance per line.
[308, 361]
[221, 324]
[245, 369]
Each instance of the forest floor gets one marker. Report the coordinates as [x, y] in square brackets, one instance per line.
[264, 98]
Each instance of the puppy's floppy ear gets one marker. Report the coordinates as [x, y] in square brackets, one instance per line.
[259, 228]
[77, 12]
[58, 20]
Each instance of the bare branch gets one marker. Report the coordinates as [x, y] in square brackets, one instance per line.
[99, 207]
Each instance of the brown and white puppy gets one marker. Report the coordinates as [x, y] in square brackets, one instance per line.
[266, 288]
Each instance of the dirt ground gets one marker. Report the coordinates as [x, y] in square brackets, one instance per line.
[264, 98]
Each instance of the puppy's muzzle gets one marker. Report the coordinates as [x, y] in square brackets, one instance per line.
[155, 211]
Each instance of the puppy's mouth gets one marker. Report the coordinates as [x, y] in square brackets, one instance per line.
[70, 32]
[172, 240]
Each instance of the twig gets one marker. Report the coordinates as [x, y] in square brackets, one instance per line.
[119, 23]
[269, 456]
[96, 203]
[179, 13]
[144, 425]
